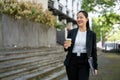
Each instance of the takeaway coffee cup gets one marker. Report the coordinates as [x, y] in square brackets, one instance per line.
[68, 42]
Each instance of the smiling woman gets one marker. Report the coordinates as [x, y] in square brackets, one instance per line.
[82, 47]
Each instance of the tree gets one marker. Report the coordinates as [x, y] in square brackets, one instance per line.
[89, 5]
[105, 22]
[107, 15]
[103, 25]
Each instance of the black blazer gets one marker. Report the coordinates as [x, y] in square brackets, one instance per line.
[90, 46]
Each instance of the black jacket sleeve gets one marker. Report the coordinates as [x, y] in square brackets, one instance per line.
[94, 52]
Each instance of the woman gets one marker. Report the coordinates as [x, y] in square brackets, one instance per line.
[81, 47]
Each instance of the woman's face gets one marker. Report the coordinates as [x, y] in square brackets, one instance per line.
[81, 19]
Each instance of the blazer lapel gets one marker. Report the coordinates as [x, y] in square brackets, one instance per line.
[74, 34]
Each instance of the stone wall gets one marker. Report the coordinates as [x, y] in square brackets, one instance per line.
[24, 33]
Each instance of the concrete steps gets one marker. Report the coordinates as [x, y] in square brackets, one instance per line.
[56, 76]
[32, 64]
[38, 75]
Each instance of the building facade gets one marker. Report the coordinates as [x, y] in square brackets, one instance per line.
[65, 10]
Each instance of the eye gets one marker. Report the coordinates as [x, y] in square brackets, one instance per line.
[79, 17]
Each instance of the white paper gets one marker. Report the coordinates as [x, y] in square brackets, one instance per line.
[78, 54]
[90, 61]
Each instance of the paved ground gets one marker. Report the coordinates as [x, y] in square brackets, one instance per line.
[109, 67]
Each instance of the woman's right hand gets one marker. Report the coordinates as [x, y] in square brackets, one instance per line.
[67, 43]
[65, 46]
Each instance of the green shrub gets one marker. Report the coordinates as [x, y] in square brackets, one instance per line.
[60, 26]
[27, 10]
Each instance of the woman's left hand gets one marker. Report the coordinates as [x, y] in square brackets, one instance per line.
[96, 72]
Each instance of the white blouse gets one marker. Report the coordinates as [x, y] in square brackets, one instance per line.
[80, 43]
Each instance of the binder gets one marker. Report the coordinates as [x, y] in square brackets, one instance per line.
[90, 61]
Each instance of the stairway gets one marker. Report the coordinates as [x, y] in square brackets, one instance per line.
[32, 64]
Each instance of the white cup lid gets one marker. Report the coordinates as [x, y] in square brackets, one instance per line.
[68, 39]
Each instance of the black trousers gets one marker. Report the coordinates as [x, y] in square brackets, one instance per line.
[78, 68]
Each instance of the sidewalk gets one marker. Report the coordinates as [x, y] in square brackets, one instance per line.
[109, 67]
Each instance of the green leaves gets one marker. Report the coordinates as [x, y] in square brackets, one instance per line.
[28, 10]
[89, 5]
[60, 26]
[104, 24]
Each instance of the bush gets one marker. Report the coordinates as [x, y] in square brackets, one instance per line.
[27, 10]
[60, 26]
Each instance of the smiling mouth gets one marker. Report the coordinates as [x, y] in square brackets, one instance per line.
[79, 22]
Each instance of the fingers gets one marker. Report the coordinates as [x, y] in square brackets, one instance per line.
[65, 46]
[96, 72]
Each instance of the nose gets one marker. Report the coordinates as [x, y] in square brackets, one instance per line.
[78, 19]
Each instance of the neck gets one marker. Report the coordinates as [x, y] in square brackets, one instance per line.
[82, 29]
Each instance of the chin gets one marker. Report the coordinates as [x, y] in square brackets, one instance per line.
[79, 24]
